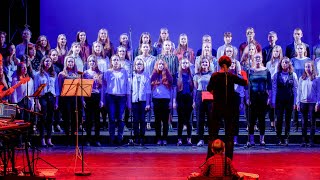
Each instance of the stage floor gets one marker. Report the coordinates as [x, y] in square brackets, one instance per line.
[172, 162]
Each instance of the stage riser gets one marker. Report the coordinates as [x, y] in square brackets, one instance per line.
[270, 138]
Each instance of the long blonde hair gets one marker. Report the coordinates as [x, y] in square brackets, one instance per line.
[71, 51]
[102, 54]
[179, 48]
[163, 51]
[245, 57]
[280, 57]
[313, 74]
[107, 45]
[210, 49]
[199, 70]
[58, 48]
[74, 70]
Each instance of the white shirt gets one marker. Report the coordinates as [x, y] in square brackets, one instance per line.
[139, 93]
[51, 83]
[308, 91]
[21, 91]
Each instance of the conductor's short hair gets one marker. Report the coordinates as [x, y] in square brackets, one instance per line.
[224, 60]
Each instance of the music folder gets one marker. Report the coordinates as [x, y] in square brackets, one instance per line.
[206, 96]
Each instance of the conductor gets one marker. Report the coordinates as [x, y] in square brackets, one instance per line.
[221, 86]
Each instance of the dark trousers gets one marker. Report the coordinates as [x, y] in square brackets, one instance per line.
[219, 112]
[161, 114]
[237, 114]
[26, 104]
[105, 110]
[295, 119]
[117, 105]
[92, 111]
[284, 108]
[56, 117]
[126, 116]
[68, 110]
[202, 108]
[139, 119]
[184, 102]
[258, 109]
[104, 113]
[271, 113]
[47, 103]
[308, 109]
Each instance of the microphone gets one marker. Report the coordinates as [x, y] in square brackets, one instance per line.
[130, 29]
[79, 72]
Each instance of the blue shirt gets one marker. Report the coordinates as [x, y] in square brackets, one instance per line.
[260, 81]
[51, 83]
[202, 80]
[298, 65]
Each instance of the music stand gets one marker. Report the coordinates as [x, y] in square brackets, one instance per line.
[35, 95]
[38, 91]
[206, 96]
[83, 88]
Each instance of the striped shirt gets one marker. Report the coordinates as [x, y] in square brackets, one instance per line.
[173, 63]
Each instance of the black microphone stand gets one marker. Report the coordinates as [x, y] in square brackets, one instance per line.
[30, 141]
[131, 141]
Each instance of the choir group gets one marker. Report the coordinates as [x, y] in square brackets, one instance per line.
[161, 77]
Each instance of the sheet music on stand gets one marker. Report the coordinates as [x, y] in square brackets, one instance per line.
[74, 87]
[81, 88]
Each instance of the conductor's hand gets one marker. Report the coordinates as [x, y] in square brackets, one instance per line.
[101, 104]
[193, 105]
[316, 109]
[84, 104]
[147, 107]
[56, 106]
